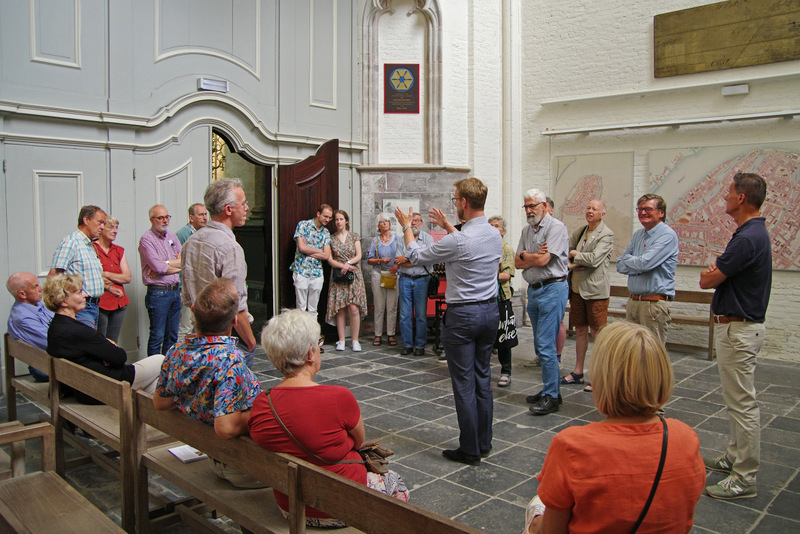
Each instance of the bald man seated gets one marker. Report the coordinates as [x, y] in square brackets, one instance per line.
[29, 319]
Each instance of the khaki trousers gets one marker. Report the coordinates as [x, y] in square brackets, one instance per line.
[737, 345]
[653, 315]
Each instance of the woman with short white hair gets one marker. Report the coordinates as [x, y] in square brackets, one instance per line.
[311, 421]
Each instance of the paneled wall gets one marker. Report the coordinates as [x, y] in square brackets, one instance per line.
[99, 104]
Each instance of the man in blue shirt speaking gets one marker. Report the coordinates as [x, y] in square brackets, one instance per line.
[471, 256]
[650, 261]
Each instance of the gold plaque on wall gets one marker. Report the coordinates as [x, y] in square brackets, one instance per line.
[736, 33]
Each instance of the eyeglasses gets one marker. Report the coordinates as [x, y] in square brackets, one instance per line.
[531, 206]
[321, 341]
[455, 200]
[243, 204]
[162, 218]
[646, 209]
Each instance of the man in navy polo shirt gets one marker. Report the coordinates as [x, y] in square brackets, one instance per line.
[742, 276]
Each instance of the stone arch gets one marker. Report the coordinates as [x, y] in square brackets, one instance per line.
[371, 75]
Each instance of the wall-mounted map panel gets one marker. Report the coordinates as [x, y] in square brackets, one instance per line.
[694, 182]
[608, 177]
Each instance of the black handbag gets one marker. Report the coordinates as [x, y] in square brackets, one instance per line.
[433, 284]
[507, 328]
[346, 278]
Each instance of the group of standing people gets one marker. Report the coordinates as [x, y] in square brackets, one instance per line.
[393, 278]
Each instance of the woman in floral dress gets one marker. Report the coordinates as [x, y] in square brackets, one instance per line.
[346, 297]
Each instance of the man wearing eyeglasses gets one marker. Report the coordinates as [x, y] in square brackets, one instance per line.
[213, 252]
[542, 254]
[160, 256]
[471, 256]
[650, 261]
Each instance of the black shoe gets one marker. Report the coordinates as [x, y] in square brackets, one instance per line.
[457, 456]
[419, 352]
[406, 351]
[545, 406]
[533, 399]
[485, 454]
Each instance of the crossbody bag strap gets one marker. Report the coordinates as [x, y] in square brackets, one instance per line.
[664, 441]
[308, 452]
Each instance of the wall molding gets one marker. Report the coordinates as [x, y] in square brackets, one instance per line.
[35, 57]
[335, 52]
[371, 76]
[38, 175]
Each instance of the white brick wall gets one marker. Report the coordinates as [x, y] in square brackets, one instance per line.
[591, 64]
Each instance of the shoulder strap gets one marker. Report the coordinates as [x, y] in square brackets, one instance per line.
[377, 253]
[308, 452]
[664, 441]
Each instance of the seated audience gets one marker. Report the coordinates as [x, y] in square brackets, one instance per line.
[597, 478]
[292, 342]
[73, 340]
[29, 319]
[205, 376]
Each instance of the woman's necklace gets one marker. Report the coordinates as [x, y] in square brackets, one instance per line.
[386, 240]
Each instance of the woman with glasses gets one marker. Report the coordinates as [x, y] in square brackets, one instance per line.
[79, 343]
[288, 418]
[116, 272]
[382, 251]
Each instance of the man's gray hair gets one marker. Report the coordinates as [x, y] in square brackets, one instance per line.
[193, 207]
[286, 339]
[535, 194]
[499, 219]
[220, 194]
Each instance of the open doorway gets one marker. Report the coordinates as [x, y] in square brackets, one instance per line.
[255, 236]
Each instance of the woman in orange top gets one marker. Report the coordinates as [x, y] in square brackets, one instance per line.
[597, 478]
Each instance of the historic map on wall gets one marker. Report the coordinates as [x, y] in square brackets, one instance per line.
[694, 182]
[608, 177]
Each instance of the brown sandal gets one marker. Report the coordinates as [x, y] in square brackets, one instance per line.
[376, 341]
[392, 341]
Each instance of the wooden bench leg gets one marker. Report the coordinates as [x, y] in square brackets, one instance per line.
[297, 508]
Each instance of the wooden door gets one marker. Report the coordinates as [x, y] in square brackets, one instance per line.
[302, 187]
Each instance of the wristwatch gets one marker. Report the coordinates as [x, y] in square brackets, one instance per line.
[406, 227]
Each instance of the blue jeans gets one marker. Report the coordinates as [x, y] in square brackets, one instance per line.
[546, 307]
[89, 314]
[414, 298]
[109, 322]
[468, 334]
[164, 308]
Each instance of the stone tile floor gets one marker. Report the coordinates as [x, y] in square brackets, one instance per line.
[407, 401]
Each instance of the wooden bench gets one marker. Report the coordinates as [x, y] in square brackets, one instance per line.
[39, 392]
[112, 423]
[256, 510]
[704, 318]
[43, 501]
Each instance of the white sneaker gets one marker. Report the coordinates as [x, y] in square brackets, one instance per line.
[340, 345]
[356, 346]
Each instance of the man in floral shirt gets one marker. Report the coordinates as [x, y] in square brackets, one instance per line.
[206, 377]
[313, 246]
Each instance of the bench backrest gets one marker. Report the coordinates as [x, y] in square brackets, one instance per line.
[304, 483]
[16, 350]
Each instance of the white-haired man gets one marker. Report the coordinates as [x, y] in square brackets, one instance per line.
[542, 254]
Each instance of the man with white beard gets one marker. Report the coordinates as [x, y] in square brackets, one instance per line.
[542, 254]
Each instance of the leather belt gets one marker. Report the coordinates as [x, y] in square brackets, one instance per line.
[650, 298]
[722, 319]
[172, 287]
[472, 303]
[415, 276]
[539, 285]
[93, 300]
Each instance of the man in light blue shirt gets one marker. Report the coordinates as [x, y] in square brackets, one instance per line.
[542, 254]
[470, 323]
[650, 261]
[413, 293]
[29, 319]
